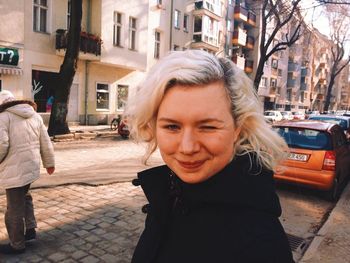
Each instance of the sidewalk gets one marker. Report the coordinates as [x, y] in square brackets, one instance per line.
[332, 243]
[79, 223]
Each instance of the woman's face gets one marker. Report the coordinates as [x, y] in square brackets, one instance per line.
[195, 131]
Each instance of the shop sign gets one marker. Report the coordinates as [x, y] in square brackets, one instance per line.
[9, 56]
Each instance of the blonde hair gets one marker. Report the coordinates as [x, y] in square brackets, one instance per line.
[196, 67]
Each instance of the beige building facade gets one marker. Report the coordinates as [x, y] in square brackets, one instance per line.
[122, 40]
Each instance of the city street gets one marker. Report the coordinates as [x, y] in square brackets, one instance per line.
[88, 211]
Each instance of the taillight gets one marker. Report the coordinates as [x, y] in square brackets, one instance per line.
[329, 161]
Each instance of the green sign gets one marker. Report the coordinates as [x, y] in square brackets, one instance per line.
[9, 56]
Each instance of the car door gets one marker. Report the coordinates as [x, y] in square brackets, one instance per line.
[342, 152]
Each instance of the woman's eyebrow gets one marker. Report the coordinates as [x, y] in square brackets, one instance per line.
[167, 119]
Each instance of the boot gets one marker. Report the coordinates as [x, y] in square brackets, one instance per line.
[30, 234]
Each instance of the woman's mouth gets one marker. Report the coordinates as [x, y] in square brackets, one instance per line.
[191, 165]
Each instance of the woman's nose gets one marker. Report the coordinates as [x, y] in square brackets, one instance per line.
[189, 142]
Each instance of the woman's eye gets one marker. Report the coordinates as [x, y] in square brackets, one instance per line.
[172, 127]
[208, 127]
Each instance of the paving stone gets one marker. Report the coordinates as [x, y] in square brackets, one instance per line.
[79, 254]
[89, 259]
[58, 256]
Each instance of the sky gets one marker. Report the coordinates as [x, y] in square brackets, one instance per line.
[314, 16]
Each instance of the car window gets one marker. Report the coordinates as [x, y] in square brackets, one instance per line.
[339, 138]
[342, 123]
[305, 138]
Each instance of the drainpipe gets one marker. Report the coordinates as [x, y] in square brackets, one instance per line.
[171, 24]
[87, 62]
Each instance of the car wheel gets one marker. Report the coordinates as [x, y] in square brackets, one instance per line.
[333, 194]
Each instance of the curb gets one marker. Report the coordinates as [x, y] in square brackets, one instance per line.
[78, 135]
[342, 204]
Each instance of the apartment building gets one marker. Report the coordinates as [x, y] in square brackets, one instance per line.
[121, 40]
[245, 31]
[113, 53]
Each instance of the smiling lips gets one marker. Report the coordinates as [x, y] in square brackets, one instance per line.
[191, 165]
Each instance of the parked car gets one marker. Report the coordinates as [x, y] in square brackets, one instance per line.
[273, 115]
[287, 115]
[319, 156]
[298, 115]
[342, 121]
[311, 113]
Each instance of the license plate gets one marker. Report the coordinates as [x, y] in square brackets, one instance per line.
[297, 157]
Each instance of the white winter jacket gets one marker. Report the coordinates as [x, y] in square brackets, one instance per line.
[23, 140]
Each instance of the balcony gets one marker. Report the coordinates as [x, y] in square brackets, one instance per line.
[240, 13]
[251, 18]
[292, 66]
[250, 42]
[305, 72]
[248, 67]
[239, 61]
[291, 83]
[205, 41]
[90, 45]
[239, 37]
[303, 86]
[206, 8]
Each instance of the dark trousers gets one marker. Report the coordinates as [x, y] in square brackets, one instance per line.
[19, 215]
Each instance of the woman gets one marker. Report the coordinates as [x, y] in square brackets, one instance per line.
[214, 200]
[24, 143]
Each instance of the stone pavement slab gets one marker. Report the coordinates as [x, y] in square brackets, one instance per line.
[79, 223]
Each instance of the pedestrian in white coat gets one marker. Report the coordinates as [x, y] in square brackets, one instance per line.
[24, 142]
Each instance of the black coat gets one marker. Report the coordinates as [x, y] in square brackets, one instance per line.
[231, 217]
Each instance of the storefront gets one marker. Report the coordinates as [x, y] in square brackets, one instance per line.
[9, 70]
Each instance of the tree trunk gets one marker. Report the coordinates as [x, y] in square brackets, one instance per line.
[58, 123]
[329, 93]
[259, 73]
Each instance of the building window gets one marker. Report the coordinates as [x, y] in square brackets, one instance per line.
[40, 11]
[177, 14]
[132, 33]
[117, 29]
[102, 96]
[186, 17]
[273, 83]
[122, 96]
[159, 2]
[156, 44]
[0, 84]
[69, 11]
[274, 63]
[263, 82]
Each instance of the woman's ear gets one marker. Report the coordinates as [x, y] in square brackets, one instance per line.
[236, 133]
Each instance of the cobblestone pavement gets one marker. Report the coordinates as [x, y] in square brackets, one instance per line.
[78, 223]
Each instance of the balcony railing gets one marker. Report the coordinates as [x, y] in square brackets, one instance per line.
[241, 13]
[239, 61]
[292, 66]
[248, 68]
[206, 5]
[239, 37]
[251, 18]
[250, 42]
[89, 43]
[291, 82]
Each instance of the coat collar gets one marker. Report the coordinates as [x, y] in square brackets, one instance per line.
[242, 184]
[12, 103]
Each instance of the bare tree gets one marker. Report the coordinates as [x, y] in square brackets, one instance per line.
[335, 2]
[58, 123]
[279, 13]
[339, 21]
